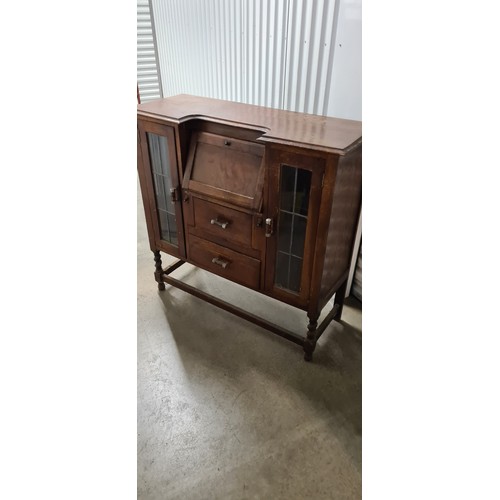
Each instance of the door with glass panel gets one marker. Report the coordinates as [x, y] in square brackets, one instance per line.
[293, 207]
[159, 173]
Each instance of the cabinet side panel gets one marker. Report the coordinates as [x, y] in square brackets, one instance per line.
[342, 228]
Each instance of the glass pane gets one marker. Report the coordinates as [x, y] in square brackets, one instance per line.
[282, 264]
[299, 235]
[163, 216]
[295, 187]
[295, 272]
[172, 225]
[285, 231]
[161, 200]
[301, 203]
[287, 188]
[158, 152]
[160, 165]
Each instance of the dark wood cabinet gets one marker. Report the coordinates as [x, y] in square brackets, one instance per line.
[268, 199]
[160, 187]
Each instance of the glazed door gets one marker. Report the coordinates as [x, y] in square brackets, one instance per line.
[160, 181]
[294, 195]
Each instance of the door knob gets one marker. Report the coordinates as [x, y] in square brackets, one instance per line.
[269, 227]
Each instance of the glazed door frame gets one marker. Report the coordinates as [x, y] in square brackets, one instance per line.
[276, 158]
[147, 183]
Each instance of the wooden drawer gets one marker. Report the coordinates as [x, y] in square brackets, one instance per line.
[222, 224]
[224, 262]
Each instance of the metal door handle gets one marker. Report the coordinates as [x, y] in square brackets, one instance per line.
[269, 227]
[220, 262]
[222, 223]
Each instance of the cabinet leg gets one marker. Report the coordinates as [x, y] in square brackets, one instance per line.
[158, 270]
[310, 341]
[339, 300]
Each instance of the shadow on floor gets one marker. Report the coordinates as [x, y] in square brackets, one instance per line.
[213, 343]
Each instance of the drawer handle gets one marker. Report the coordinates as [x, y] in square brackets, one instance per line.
[222, 223]
[220, 262]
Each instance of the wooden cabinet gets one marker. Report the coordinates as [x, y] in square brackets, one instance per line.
[265, 198]
[160, 187]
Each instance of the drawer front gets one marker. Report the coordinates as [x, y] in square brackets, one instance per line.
[224, 262]
[222, 224]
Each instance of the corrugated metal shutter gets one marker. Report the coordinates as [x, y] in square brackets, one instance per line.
[356, 284]
[271, 53]
[148, 78]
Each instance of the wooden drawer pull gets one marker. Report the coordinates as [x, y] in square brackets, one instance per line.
[222, 223]
[220, 262]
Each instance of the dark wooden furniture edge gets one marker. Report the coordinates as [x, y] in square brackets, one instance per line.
[241, 313]
[266, 137]
[328, 319]
[333, 290]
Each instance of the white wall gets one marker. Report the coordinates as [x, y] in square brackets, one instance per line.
[298, 55]
[345, 93]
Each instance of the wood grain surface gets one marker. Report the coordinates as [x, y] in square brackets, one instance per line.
[283, 127]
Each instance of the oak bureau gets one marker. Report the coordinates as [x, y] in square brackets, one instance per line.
[266, 198]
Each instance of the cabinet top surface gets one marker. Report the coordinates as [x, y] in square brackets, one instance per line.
[284, 127]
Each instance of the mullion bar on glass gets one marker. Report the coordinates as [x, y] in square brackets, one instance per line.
[160, 166]
[293, 213]
[284, 231]
[164, 229]
[291, 254]
[163, 164]
[291, 230]
[160, 193]
[301, 205]
[299, 229]
[290, 251]
[164, 160]
[295, 186]
[287, 188]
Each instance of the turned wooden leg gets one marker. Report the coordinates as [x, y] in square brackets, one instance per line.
[339, 299]
[310, 341]
[158, 270]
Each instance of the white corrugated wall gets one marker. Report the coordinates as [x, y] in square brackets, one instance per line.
[299, 55]
[148, 78]
[280, 53]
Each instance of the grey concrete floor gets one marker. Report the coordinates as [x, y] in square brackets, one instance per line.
[229, 410]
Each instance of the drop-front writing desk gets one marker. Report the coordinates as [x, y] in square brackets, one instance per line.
[266, 198]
